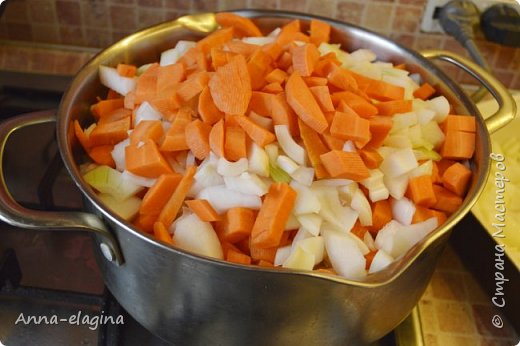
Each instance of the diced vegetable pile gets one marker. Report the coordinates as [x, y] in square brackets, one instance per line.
[278, 150]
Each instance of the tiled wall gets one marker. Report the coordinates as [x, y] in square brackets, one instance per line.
[97, 23]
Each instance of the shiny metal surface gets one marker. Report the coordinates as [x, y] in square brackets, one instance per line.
[191, 300]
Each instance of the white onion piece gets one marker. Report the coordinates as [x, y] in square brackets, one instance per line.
[118, 154]
[288, 145]
[258, 161]
[109, 77]
[231, 169]
[222, 198]
[311, 223]
[138, 180]
[402, 210]
[380, 261]
[344, 254]
[197, 236]
[247, 183]
[146, 112]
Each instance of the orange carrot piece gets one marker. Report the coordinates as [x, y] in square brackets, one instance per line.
[257, 133]
[300, 98]
[359, 230]
[175, 139]
[276, 76]
[209, 113]
[393, 107]
[146, 84]
[421, 191]
[237, 257]
[314, 147]
[197, 138]
[144, 222]
[333, 143]
[283, 114]
[349, 126]
[112, 94]
[110, 132]
[458, 145]
[369, 257]
[169, 213]
[262, 254]
[456, 178]
[362, 107]
[216, 39]
[464, 123]
[320, 32]
[322, 95]
[436, 177]
[147, 129]
[273, 215]
[274, 50]
[383, 91]
[203, 209]
[261, 103]
[363, 82]
[380, 127]
[348, 165]
[126, 70]
[115, 115]
[169, 76]
[258, 66]
[194, 61]
[284, 61]
[156, 197]
[287, 33]
[146, 160]
[447, 201]
[381, 215]
[102, 154]
[193, 85]
[220, 57]
[230, 86]
[243, 26]
[238, 224]
[424, 92]
[341, 78]
[371, 157]
[81, 136]
[326, 65]
[314, 81]
[304, 58]
[273, 88]
[105, 107]
[235, 144]
[161, 233]
[422, 214]
[217, 138]
[265, 264]
[241, 48]
[129, 100]
[166, 100]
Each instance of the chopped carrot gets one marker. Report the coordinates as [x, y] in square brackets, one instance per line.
[313, 81]
[81, 136]
[197, 138]
[126, 70]
[175, 139]
[146, 84]
[209, 113]
[349, 126]
[217, 138]
[243, 26]
[166, 101]
[320, 32]
[436, 177]
[156, 197]
[424, 92]
[102, 154]
[265, 264]
[300, 98]
[348, 165]
[262, 103]
[194, 60]
[262, 254]
[314, 147]
[340, 78]
[111, 132]
[447, 201]
[230, 86]
[216, 39]
[237, 257]
[322, 95]
[235, 145]
[259, 65]
[105, 107]
[274, 50]
[238, 224]
[464, 123]
[369, 257]
[257, 133]
[273, 88]
[371, 157]
[144, 222]
[326, 65]
[421, 191]
[147, 129]
[146, 160]
[384, 91]
[284, 61]
[193, 86]
[363, 82]
[129, 100]
[443, 165]
[283, 114]
[422, 214]
[203, 209]
[273, 215]
[174, 203]
[393, 107]
[458, 145]
[241, 48]
[362, 107]
[276, 76]
[380, 127]
[161, 233]
[381, 215]
[456, 178]
[116, 114]
[170, 76]
[304, 58]
[220, 57]
[286, 35]
[359, 230]
[333, 143]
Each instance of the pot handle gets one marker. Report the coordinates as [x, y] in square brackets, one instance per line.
[506, 105]
[14, 214]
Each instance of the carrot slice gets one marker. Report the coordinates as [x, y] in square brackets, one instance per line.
[209, 113]
[273, 88]
[381, 215]
[380, 127]
[371, 157]
[424, 92]
[102, 154]
[304, 58]
[274, 50]
[174, 204]
[350, 126]
[283, 114]
[348, 165]
[421, 191]
[193, 85]
[146, 84]
[220, 57]
[332, 142]
[235, 145]
[464, 123]
[322, 95]
[384, 91]
[156, 197]
[161, 233]
[288, 31]
[197, 138]
[257, 133]
[341, 78]
[105, 107]
[314, 147]
[314, 81]
[261, 103]
[216, 39]
[230, 86]
[320, 32]
[259, 65]
[110, 132]
[169, 76]
[237, 257]
[393, 107]
[238, 224]
[144, 222]
[458, 145]
[361, 106]
[126, 70]
[422, 214]
[359, 230]
[243, 26]
[217, 138]
[456, 178]
[273, 215]
[276, 76]
[81, 136]
[146, 160]
[203, 209]
[447, 201]
[147, 129]
[175, 139]
[303, 103]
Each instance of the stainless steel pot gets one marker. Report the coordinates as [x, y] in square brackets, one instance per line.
[191, 300]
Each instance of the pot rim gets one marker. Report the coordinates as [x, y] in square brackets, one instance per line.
[205, 23]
